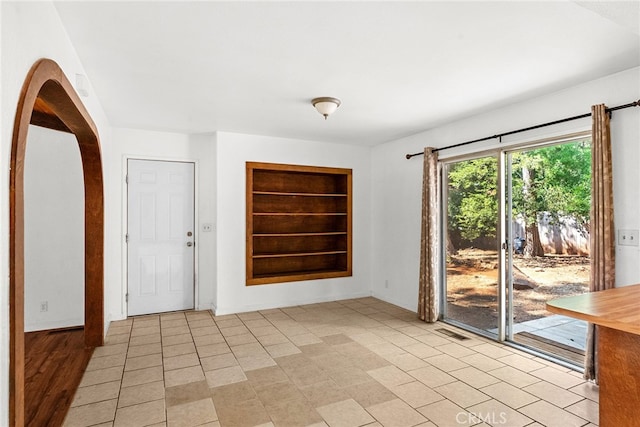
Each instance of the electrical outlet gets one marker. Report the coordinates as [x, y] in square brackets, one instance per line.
[628, 237]
[207, 227]
[44, 306]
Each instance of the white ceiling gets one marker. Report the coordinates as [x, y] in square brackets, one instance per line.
[399, 67]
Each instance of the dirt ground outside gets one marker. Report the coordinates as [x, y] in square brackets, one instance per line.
[472, 285]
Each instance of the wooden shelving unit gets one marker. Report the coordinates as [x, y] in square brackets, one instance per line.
[298, 223]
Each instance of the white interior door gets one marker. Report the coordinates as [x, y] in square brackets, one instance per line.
[161, 241]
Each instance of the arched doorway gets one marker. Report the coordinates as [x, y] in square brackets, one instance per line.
[47, 99]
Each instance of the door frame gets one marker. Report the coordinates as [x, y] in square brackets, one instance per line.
[48, 100]
[125, 224]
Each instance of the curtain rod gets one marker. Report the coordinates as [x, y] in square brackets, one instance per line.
[500, 135]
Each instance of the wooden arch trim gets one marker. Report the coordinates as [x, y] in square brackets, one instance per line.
[47, 99]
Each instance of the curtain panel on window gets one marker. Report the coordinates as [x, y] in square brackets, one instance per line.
[602, 232]
[428, 285]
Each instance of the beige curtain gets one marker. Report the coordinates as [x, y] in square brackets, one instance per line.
[428, 292]
[602, 233]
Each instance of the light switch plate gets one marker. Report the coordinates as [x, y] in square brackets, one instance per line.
[628, 237]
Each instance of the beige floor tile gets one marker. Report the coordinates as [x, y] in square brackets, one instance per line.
[142, 376]
[349, 376]
[385, 349]
[172, 323]
[257, 322]
[228, 323]
[422, 350]
[234, 330]
[119, 330]
[220, 361]
[241, 339]
[141, 362]
[509, 395]
[250, 363]
[474, 377]
[224, 376]
[455, 350]
[446, 413]
[391, 376]
[497, 413]
[433, 340]
[305, 339]
[557, 377]
[105, 362]
[284, 349]
[462, 394]
[274, 393]
[151, 330]
[347, 413]
[181, 376]
[201, 323]
[145, 349]
[416, 394]
[431, 376]
[553, 394]
[371, 361]
[396, 413]
[587, 389]
[264, 330]
[324, 393]
[143, 414]
[336, 339]
[247, 413]
[251, 349]
[102, 376]
[493, 351]
[88, 415]
[186, 393]
[446, 362]
[272, 339]
[482, 362]
[141, 393]
[116, 339]
[96, 393]
[183, 361]
[260, 378]
[296, 412]
[250, 315]
[401, 340]
[518, 361]
[145, 339]
[177, 339]
[212, 349]
[178, 349]
[514, 376]
[303, 377]
[587, 409]
[371, 393]
[407, 361]
[551, 416]
[192, 414]
[110, 350]
[200, 340]
[231, 393]
[177, 330]
[203, 332]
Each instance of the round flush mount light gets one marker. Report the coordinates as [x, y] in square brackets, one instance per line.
[326, 105]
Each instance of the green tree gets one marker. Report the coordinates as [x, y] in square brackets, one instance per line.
[473, 206]
[555, 180]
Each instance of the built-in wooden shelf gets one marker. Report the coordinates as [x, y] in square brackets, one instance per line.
[298, 222]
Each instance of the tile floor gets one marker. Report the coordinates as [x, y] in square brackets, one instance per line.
[360, 362]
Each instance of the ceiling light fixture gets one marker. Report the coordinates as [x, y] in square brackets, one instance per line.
[326, 105]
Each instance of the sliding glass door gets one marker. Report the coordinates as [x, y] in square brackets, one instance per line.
[517, 235]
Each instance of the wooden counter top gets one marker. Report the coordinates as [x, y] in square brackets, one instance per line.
[617, 308]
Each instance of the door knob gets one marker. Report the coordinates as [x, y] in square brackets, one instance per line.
[189, 244]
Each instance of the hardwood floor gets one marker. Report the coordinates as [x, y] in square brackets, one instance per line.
[54, 363]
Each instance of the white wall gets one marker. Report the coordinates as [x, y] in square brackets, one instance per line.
[233, 151]
[142, 144]
[397, 181]
[29, 31]
[54, 231]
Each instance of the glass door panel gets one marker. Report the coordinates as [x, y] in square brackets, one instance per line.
[549, 197]
[472, 250]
